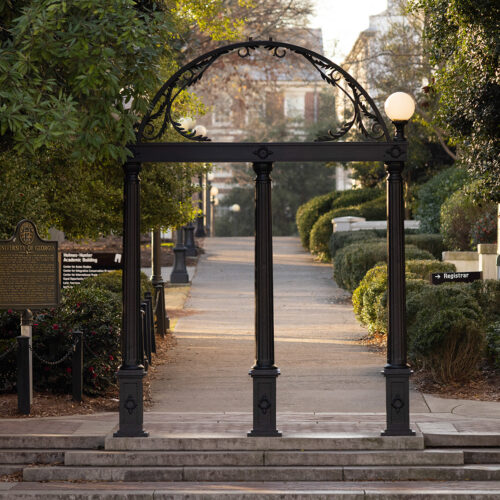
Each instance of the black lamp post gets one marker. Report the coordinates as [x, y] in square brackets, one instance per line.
[214, 201]
[189, 242]
[399, 108]
[162, 319]
[208, 206]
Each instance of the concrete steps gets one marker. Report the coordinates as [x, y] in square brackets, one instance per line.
[335, 466]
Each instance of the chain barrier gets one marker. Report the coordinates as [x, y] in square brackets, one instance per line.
[71, 350]
[9, 350]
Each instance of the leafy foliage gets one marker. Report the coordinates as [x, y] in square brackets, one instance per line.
[433, 243]
[352, 262]
[493, 343]
[460, 214]
[462, 42]
[309, 212]
[431, 195]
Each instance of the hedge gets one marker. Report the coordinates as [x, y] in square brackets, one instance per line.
[445, 332]
[493, 343]
[354, 197]
[341, 239]
[352, 262]
[433, 243]
[374, 209]
[308, 213]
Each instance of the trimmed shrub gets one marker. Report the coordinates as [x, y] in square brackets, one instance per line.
[354, 197]
[374, 209]
[445, 334]
[484, 229]
[433, 243]
[487, 293]
[422, 269]
[352, 262]
[343, 238]
[323, 229]
[370, 297]
[309, 212]
[493, 343]
[432, 194]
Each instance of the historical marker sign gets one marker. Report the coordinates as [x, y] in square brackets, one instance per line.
[29, 277]
[76, 266]
[464, 277]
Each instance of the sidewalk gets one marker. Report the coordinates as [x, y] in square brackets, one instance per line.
[329, 382]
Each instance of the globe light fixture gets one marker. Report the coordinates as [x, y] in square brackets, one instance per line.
[234, 208]
[200, 130]
[399, 107]
[210, 176]
[214, 191]
[187, 123]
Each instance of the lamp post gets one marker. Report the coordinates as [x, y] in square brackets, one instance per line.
[399, 107]
[214, 201]
[189, 242]
[179, 273]
[234, 209]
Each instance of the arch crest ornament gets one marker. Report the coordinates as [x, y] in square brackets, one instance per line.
[365, 116]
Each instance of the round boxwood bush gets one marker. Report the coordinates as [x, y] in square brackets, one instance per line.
[308, 213]
[340, 239]
[424, 268]
[433, 243]
[374, 209]
[354, 197]
[322, 231]
[445, 335]
[352, 262]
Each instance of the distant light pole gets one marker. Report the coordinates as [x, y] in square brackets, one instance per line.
[208, 206]
[214, 201]
[399, 108]
[200, 228]
[234, 209]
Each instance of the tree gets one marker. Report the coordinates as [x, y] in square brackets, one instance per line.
[75, 77]
[462, 43]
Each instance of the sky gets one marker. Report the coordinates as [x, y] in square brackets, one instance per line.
[342, 21]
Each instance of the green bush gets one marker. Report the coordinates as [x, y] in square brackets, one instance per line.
[323, 229]
[459, 216]
[374, 209]
[341, 239]
[309, 212]
[354, 197]
[424, 268]
[493, 343]
[432, 194]
[445, 334]
[352, 262]
[370, 297]
[487, 293]
[433, 243]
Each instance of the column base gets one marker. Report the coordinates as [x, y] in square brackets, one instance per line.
[131, 403]
[397, 393]
[264, 403]
[179, 273]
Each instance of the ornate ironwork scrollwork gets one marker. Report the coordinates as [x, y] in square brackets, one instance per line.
[365, 115]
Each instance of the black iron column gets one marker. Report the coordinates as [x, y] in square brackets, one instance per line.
[131, 372]
[200, 229]
[189, 242]
[264, 372]
[397, 372]
[160, 312]
[25, 364]
[179, 273]
[208, 207]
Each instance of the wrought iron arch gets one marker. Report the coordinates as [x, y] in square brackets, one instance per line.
[159, 116]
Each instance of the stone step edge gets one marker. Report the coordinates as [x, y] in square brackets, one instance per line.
[51, 442]
[462, 440]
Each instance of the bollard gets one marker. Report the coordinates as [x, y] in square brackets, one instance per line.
[25, 364]
[147, 330]
[77, 367]
[148, 298]
[143, 336]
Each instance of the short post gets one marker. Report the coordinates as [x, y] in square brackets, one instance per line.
[144, 336]
[200, 229]
[148, 298]
[25, 364]
[189, 242]
[208, 205]
[77, 367]
[397, 372]
[162, 319]
[264, 372]
[179, 273]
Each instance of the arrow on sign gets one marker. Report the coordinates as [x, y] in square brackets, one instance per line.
[438, 276]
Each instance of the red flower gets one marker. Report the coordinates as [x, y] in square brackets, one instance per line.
[94, 375]
[68, 369]
[9, 311]
[111, 357]
[91, 369]
[93, 333]
[55, 326]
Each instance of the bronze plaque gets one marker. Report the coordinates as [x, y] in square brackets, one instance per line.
[29, 271]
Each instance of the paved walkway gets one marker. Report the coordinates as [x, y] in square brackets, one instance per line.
[329, 383]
